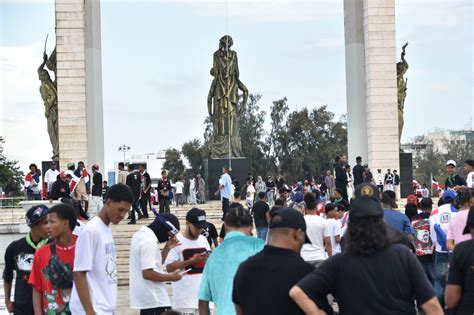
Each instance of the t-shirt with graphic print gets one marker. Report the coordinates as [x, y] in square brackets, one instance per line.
[55, 299]
[96, 256]
[19, 260]
[185, 291]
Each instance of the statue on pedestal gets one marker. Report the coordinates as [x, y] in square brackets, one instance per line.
[222, 101]
[402, 67]
[49, 94]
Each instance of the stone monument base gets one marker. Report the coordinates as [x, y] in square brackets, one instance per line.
[406, 174]
[241, 167]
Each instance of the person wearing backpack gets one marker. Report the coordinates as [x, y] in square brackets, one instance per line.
[51, 275]
[423, 241]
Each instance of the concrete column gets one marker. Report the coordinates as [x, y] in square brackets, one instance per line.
[355, 80]
[377, 77]
[79, 94]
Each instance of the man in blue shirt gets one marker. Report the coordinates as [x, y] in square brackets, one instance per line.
[225, 188]
[395, 218]
[218, 275]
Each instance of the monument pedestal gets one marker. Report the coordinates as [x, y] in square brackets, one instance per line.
[241, 167]
[406, 174]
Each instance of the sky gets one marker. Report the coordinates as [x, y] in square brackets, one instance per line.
[156, 57]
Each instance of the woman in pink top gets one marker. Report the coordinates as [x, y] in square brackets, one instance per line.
[458, 222]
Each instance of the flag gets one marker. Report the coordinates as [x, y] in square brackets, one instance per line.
[434, 183]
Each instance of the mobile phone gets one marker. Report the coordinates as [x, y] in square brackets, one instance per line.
[185, 271]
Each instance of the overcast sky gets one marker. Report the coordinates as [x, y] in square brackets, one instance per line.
[156, 57]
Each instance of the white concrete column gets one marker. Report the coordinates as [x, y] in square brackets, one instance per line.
[355, 80]
[79, 75]
[381, 84]
[371, 82]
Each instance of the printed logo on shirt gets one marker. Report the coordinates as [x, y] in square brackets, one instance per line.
[24, 262]
[111, 264]
[189, 253]
[444, 217]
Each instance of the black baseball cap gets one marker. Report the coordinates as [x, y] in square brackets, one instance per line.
[36, 214]
[283, 189]
[288, 218]
[197, 217]
[470, 221]
[364, 207]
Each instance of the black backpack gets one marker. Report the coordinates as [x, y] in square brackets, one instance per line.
[58, 272]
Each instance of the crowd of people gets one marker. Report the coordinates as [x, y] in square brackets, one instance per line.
[313, 250]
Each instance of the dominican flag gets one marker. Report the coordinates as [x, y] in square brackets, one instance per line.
[434, 183]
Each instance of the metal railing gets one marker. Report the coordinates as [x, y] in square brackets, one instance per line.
[11, 202]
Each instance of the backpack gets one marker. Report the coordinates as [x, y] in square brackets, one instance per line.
[423, 242]
[58, 272]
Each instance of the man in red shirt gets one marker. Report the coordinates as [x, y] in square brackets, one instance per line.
[51, 274]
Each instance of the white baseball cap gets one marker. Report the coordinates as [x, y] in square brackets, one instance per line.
[451, 162]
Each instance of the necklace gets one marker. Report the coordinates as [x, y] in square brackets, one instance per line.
[32, 244]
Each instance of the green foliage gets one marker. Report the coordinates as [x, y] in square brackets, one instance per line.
[173, 164]
[195, 152]
[11, 178]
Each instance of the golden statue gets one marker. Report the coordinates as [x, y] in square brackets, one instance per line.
[402, 67]
[49, 93]
[222, 101]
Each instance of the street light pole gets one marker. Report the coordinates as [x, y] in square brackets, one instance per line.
[124, 148]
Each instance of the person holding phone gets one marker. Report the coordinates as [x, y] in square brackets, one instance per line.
[147, 279]
[191, 253]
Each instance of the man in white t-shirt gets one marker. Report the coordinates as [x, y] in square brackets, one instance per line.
[317, 232]
[179, 187]
[147, 280]
[225, 188]
[469, 170]
[334, 226]
[190, 256]
[51, 176]
[95, 269]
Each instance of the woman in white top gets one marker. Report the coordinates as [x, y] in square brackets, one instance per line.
[350, 182]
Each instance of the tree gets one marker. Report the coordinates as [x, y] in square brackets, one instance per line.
[194, 151]
[11, 178]
[173, 164]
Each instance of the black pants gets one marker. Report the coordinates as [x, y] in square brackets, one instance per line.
[225, 207]
[144, 204]
[380, 188]
[134, 208]
[164, 205]
[22, 309]
[342, 186]
[155, 311]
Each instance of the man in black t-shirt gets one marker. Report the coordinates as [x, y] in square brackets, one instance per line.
[358, 172]
[145, 186]
[261, 216]
[164, 189]
[262, 282]
[393, 279]
[459, 294]
[454, 181]
[341, 175]
[19, 259]
[134, 183]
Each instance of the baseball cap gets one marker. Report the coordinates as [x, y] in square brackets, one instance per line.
[451, 162]
[197, 217]
[470, 221]
[449, 195]
[36, 214]
[70, 164]
[283, 189]
[365, 207]
[168, 221]
[95, 166]
[369, 190]
[287, 218]
[62, 175]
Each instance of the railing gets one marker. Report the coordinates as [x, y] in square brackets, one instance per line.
[11, 202]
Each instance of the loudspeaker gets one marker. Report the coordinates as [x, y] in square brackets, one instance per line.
[406, 174]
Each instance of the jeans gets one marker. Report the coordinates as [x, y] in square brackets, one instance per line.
[225, 207]
[34, 196]
[134, 208]
[428, 268]
[154, 311]
[440, 272]
[164, 205]
[179, 200]
[262, 233]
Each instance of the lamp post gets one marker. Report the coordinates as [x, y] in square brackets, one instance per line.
[124, 148]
